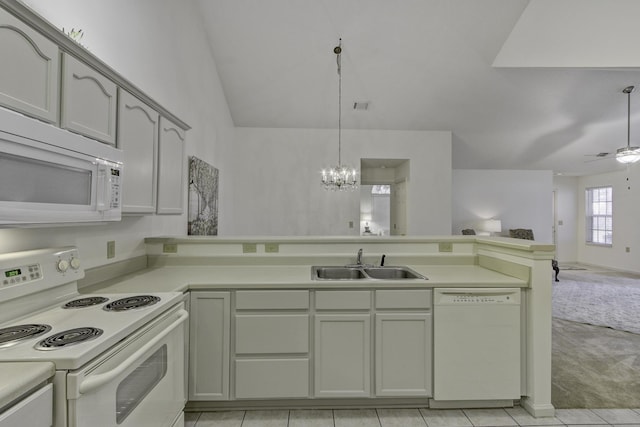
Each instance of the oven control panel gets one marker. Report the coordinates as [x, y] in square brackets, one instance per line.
[51, 267]
[21, 274]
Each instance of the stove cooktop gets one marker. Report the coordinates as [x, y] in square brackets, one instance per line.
[73, 333]
[44, 318]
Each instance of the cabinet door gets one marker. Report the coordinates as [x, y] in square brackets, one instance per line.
[138, 139]
[170, 168]
[209, 346]
[403, 354]
[342, 355]
[30, 70]
[88, 101]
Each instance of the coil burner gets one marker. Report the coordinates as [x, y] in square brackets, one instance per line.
[13, 334]
[68, 338]
[85, 302]
[130, 303]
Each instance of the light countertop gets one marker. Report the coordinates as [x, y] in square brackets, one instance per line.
[19, 378]
[194, 277]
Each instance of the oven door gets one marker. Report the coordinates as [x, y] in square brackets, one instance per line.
[140, 383]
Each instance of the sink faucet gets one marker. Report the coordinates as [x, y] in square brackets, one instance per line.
[359, 257]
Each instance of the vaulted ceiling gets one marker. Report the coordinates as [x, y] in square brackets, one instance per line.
[426, 65]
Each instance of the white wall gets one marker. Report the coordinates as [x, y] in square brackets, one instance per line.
[520, 199]
[626, 216]
[277, 187]
[160, 46]
[566, 191]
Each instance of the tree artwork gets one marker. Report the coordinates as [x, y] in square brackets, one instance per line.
[203, 198]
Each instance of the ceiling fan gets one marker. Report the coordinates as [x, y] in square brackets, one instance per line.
[626, 154]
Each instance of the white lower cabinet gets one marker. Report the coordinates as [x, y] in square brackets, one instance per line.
[403, 354]
[404, 343]
[209, 345]
[342, 350]
[271, 358]
[342, 355]
[349, 344]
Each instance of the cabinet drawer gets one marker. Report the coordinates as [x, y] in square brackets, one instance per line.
[272, 334]
[272, 300]
[343, 300]
[405, 299]
[272, 378]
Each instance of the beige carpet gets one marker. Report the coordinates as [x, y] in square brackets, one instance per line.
[596, 366]
[601, 298]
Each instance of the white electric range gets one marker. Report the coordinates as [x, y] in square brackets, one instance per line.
[119, 357]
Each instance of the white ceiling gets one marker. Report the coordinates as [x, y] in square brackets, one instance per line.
[422, 65]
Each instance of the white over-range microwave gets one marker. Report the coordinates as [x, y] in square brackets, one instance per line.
[52, 176]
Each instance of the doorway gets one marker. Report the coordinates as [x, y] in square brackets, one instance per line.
[383, 196]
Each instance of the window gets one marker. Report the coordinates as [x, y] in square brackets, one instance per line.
[599, 221]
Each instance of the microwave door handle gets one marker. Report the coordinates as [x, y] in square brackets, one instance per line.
[103, 200]
[95, 381]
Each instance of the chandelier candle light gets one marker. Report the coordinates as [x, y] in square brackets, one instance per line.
[340, 177]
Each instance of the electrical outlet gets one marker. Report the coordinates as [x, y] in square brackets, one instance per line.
[627, 249]
[350, 224]
[445, 247]
[111, 249]
[170, 248]
[249, 248]
[271, 247]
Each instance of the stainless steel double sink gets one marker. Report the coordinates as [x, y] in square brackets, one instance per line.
[363, 272]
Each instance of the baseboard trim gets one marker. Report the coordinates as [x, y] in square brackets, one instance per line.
[538, 410]
[247, 405]
[469, 404]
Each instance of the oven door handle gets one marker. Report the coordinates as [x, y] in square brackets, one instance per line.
[99, 380]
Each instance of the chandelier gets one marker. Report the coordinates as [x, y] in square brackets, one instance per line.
[628, 154]
[340, 177]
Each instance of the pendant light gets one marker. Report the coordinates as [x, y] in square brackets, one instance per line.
[340, 177]
[628, 154]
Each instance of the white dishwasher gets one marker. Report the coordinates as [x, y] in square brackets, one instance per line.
[476, 344]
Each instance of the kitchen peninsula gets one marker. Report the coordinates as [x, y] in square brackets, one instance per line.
[265, 333]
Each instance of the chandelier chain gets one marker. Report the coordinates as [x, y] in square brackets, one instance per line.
[339, 62]
[339, 177]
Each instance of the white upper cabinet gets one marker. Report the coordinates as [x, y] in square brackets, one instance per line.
[170, 168]
[138, 126]
[29, 74]
[88, 101]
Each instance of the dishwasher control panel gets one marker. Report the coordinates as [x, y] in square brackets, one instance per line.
[480, 296]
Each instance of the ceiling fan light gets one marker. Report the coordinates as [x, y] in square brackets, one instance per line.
[628, 155]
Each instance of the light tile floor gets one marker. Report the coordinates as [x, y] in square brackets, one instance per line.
[510, 417]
